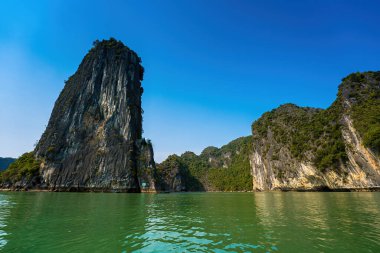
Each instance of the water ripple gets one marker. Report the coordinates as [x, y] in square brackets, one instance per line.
[5, 205]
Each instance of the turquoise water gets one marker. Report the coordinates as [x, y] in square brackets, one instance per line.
[189, 222]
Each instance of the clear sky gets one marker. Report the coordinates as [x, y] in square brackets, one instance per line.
[211, 67]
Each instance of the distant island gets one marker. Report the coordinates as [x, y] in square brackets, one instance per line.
[93, 141]
[5, 161]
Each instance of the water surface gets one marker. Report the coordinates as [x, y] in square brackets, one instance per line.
[189, 222]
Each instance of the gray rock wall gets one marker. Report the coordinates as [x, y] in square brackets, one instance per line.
[94, 137]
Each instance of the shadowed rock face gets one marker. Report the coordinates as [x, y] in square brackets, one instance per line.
[94, 137]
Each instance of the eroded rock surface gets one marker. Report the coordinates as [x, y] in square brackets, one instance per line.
[94, 137]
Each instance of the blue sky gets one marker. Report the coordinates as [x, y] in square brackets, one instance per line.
[212, 67]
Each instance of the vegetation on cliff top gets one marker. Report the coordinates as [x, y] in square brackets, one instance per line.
[116, 46]
[309, 133]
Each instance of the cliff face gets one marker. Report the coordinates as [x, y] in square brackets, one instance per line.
[93, 140]
[310, 149]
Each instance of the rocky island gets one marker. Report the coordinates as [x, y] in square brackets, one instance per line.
[308, 148]
[296, 148]
[93, 141]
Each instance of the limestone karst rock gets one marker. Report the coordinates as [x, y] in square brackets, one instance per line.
[297, 148]
[301, 148]
[93, 140]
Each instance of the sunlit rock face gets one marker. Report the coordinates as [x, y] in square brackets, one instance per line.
[300, 148]
[93, 140]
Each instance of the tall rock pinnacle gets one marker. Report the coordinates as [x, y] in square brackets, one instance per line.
[94, 137]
